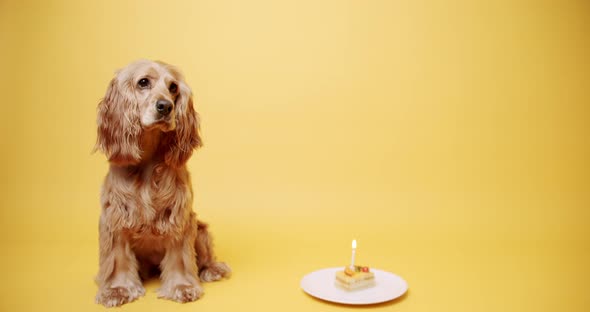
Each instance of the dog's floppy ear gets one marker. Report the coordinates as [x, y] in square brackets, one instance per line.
[185, 138]
[119, 128]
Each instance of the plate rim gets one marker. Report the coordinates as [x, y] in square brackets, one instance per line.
[386, 299]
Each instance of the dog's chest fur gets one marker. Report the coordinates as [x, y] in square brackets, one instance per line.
[152, 202]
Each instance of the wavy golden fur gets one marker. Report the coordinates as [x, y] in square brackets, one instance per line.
[148, 129]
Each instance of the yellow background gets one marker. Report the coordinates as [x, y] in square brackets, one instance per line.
[450, 138]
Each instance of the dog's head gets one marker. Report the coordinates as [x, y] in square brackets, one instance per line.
[146, 96]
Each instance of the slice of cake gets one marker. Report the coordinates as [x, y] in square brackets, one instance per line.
[357, 277]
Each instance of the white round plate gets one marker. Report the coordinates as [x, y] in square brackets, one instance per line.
[321, 284]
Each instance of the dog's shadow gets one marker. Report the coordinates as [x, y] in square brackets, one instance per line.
[150, 277]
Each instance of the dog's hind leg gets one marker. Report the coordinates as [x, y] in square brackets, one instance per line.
[209, 269]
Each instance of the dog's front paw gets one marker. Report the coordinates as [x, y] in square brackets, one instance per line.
[116, 296]
[215, 272]
[182, 293]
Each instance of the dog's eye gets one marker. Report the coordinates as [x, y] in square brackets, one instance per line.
[173, 88]
[143, 83]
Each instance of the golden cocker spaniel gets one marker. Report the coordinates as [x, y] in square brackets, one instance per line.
[148, 129]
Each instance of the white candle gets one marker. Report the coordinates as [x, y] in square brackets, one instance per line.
[353, 253]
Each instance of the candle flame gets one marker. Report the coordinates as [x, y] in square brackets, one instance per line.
[354, 244]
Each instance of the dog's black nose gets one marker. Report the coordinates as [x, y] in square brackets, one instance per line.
[164, 107]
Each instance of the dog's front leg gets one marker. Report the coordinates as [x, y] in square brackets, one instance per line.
[117, 279]
[180, 281]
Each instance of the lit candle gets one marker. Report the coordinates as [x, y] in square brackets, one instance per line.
[353, 253]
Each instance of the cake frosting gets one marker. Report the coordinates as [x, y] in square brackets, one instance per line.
[356, 277]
